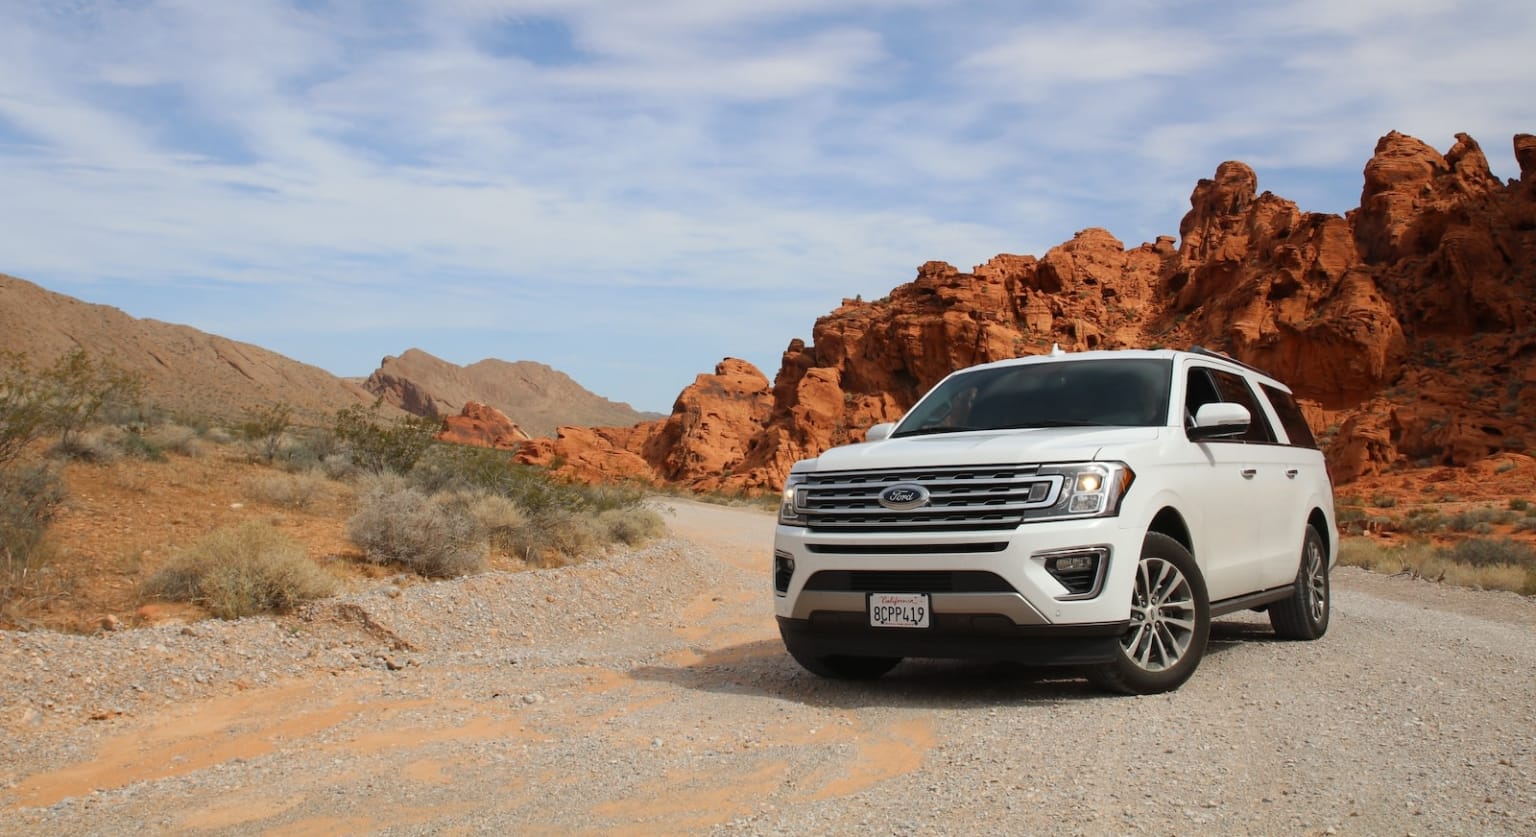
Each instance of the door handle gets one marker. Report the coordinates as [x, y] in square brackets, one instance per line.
[1249, 472]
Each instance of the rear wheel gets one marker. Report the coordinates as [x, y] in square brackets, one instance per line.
[1305, 614]
[1170, 623]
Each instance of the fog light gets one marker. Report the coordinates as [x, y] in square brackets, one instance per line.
[1074, 563]
[1080, 570]
[783, 571]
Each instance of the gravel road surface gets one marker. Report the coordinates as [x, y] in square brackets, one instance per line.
[648, 692]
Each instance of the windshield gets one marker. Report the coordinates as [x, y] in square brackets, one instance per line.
[1082, 393]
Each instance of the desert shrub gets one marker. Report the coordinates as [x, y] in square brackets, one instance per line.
[1519, 504]
[308, 448]
[78, 388]
[1473, 520]
[218, 435]
[632, 526]
[1488, 552]
[378, 445]
[1384, 501]
[175, 438]
[99, 446]
[557, 537]
[449, 467]
[23, 407]
[402, 525]
[292, 491]
[263, 428]
[30, 496]
[134, 442]
[242, 571]
[1390, 560]
[1525, 524]
[498, 518]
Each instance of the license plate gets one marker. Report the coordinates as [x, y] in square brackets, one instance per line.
[899, 610]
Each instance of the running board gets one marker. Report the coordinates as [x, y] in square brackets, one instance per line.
[1251, 601]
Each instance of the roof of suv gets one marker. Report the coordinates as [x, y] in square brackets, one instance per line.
[1062, 356]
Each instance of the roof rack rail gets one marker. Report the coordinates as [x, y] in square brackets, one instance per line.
[1201, 350]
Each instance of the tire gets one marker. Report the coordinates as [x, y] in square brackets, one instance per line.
[1305, 614]
[1170, 623]
[843, 667]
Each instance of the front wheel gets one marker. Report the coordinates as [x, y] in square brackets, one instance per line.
[1304, 615]
[1170, 623]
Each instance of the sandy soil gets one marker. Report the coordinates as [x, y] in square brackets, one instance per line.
[647, 692]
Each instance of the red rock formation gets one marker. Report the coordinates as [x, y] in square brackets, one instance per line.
[482, 425]
[1407, 327]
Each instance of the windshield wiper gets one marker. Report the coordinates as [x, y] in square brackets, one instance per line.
[1056, 423]
[936, 429]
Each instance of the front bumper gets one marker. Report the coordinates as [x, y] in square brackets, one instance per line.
[953, 636]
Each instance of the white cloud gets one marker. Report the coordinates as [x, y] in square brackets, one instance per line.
[731, 170]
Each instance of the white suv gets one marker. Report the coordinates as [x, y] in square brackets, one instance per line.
[1094, 509]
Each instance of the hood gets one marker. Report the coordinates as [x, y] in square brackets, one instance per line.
[988, 447]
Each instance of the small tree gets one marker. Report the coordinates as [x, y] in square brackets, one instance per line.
[385, 446]
[265, 426]
[23, 406]
[78, 388]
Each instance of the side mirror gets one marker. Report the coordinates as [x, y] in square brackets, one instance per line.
[879, 431]
[1219, 420]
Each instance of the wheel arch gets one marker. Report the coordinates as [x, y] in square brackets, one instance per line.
[1319, 521]
[1170, 522]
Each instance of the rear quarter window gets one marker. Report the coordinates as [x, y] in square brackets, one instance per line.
[1291, 419]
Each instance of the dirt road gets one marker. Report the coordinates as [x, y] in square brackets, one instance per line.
[649, 693]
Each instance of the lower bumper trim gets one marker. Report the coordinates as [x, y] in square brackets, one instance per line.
[954, 636]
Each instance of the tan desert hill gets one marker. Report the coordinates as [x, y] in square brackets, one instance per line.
[534, 396]
[184, 370]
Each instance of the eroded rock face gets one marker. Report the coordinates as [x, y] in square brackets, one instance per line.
[483, 425]
[1406, 327]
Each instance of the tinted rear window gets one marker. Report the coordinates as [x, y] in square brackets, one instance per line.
[1291, 419]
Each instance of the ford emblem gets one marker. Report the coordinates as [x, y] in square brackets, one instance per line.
[904, 497]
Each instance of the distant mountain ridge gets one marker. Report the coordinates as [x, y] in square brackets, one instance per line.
[184, 370]
[537, 397]
[197, 374]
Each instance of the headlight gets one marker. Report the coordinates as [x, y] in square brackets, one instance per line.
[1089, 489]
[792, 502]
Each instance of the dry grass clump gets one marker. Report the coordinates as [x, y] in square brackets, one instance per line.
[290, 491]
[397, 524]
[1481, 563]
[242, 571]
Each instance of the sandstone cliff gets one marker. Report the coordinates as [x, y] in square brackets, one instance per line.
[1407, 326]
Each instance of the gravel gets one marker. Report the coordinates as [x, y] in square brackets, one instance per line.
[648, 692]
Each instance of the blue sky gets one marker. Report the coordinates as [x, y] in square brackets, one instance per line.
[630, 191]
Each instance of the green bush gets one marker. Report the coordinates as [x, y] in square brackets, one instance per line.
[397, 524]
[29, 499]
[1488, 552]
[381, 446]
[242, 571]
[263, 428]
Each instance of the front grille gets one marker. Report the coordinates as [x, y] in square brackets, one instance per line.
[959, 499]
[906, 548]
[908, 581]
